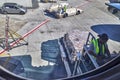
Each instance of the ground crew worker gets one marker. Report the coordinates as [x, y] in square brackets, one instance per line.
[64, 9]
[99, 48]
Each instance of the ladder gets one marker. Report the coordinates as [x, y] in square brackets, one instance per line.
[77, 67]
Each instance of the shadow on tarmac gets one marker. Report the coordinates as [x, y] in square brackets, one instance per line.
[113, 30]
[21, 65]
[51, 53]
[49, 14]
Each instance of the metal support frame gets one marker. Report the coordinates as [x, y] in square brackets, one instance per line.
[6, 32]
[90, 37]
[21, 38]
[63, 56]
[77, 68]
[91, 57]
[81, 61]
[10, 36]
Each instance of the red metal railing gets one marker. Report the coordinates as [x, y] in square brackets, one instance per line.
[25, 35]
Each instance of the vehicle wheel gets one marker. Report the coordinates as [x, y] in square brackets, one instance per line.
[114, 11]
[78, 12]
[58, 17]
[4, 12]
[0, 11]
[22, 12]
[109, 8]
[65, 15]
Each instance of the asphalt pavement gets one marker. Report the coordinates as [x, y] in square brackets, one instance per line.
[95, 13]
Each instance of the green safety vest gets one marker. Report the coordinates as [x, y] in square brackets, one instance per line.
[65, 7]
[97, 48]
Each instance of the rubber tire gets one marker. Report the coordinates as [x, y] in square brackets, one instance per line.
[78, 12]
[4, 12]
[109, 8]
[65, 15]
[114, 11]
[22, 12]
[0, 11]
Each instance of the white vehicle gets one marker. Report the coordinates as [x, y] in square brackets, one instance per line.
[56, 7]
[54, 1]
[45, 1]
[12, 8]
[68, 12]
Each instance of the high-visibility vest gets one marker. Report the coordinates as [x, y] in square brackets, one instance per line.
[65, 7]
[97, 48]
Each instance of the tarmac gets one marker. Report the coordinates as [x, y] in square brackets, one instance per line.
[95, 13]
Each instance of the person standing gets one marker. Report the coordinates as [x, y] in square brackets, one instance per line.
[99, 49]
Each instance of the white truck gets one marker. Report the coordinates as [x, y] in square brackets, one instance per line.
[56, 7]
[63, 10]
[69, 12]
[54, 1]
